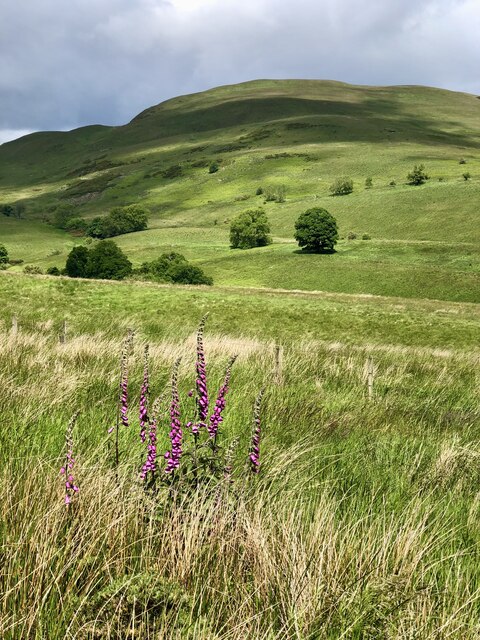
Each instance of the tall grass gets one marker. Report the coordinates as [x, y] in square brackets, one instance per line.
[362, 523]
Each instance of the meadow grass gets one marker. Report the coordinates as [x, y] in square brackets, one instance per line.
[363, 522]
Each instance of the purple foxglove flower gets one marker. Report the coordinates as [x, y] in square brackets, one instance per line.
[254, 455]
[216, 417]
[144, 394]
[70, 487]
[176, 434]
[201, 381]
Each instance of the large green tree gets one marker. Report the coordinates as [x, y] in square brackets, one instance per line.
[76, 265]
[316, 230]
[250, 229]
[107, 261]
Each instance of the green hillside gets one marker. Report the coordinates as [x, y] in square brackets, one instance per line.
[425, 241]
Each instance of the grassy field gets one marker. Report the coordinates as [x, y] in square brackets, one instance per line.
[363, 522]
[301, 134]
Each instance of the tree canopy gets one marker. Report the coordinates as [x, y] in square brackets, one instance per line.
[316, 230]
[250, 229]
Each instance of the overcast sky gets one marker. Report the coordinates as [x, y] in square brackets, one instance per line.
[67, 63]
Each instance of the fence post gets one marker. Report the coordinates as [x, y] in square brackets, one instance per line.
[63, 334]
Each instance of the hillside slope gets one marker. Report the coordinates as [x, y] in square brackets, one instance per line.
[425, 241]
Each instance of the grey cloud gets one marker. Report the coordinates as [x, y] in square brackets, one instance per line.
[65, 64]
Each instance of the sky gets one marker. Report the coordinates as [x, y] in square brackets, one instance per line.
[69, 63]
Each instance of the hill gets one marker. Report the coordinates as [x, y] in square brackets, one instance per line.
[425, 241]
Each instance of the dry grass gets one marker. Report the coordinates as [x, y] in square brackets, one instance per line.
[363, 524]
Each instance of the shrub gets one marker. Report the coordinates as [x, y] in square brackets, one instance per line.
[462, 161]
[351, 235]
[392, 183]
[466, 176]
[107, 261]
[365, 236]
[120, 220]
[368, 183]
[6, 209]
[259, 191]
[417, 175]
[174, 267]
[62, 214]
[76, 224]
[16, 210]
[275, 195]
[213, 168]
[250, 229]
[341, 187]
[316, 230]
[32, 269]
[53, 271]
[3, 254]
[76, 265]
[174, 171]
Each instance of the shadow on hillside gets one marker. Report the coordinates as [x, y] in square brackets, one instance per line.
[372, 120]
[325, 252]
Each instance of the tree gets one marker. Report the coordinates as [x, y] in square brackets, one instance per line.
[107, 261]
[118, 221]
[76, 265]
[3, 254]
[213, 168]
[250, 229]
[174, 267]
[316, 230]
[417, 175]
[341, 187]
[62, 214]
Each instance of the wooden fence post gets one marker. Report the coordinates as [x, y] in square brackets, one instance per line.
[63, 334]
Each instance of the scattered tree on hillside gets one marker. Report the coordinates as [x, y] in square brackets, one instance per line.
[107, 261]
[316, 230]
[213, 168]
[250, 229]
[62, 214]
[341, 187]
[417, 175]
[76, 265]
[466, 175]
[120, 220]
[14, 210]
[174, 267]
[3, 254]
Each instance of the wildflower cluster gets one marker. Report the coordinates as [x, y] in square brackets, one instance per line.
[185, 464]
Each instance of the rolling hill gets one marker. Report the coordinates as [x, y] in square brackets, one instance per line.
[424, 241]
